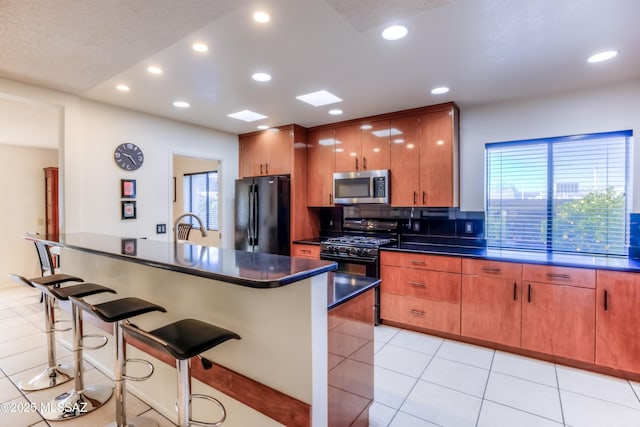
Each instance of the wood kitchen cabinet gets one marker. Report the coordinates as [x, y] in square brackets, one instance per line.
[421, 290]
[405, 162]
[320, 167]
[558, 315]
[361, 147]
[266, 153]
[618, 320]
[491, 301]
[305, 251]
[439, 175]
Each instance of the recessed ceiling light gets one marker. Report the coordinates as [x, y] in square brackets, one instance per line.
[366, 127]
[398, 141]
[335, 112]
[181, 104]
[603, 56]
[439, 90]
[261, 77]
[247, 116]
[262, 127]
[394, 32]
[200, 47]
[123, 88]
[261, 17]
[319, 98]
[154, 69]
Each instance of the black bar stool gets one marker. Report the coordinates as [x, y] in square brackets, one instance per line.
[117, 312]
[81, 399]
[54, 374]
[183, 340]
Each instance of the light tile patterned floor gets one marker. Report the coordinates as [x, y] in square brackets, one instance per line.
[420, 380]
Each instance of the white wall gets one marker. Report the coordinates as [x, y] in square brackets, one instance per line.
[22, 195]
[90, 178]
[601, 109]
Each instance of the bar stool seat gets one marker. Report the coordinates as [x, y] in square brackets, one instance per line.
[118, 311]
[183, 340]
[82, 399]
[54, 374]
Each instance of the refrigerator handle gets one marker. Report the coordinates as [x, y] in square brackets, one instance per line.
[250, 225]
[256, 215]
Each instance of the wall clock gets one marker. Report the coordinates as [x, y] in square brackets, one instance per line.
[128, 156]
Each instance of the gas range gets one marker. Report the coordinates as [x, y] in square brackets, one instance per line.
[353, 246]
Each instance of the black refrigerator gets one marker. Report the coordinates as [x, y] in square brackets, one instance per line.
[262, 214]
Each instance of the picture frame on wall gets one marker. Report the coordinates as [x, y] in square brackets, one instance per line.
[129, 247]
[128, 188]
[128, 209]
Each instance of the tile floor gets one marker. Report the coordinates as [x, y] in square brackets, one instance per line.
[420, 380]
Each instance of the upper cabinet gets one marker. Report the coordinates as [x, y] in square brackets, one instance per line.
[405, 162]
[363, 147]
[266, 153]
[321, 163]
[439, 180]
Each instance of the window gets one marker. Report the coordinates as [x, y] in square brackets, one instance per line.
[201, 198]
[566, 194]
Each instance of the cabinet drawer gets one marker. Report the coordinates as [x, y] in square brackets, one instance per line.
[581, 277]
[497, 269]
[421, 261]
[305, 251]
[436, 315]
[425, 284]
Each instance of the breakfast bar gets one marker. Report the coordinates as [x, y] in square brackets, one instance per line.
[277, 373]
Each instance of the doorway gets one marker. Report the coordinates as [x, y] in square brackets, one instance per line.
[196, 189]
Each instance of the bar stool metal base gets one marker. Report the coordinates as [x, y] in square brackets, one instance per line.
[136, 422]
[50, 377]
[73, 404]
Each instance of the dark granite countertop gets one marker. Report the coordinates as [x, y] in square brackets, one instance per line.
[344, 287]
[255, 270]
[530, 257]
[314, 241]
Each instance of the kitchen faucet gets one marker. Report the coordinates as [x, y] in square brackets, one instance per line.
[177, 221]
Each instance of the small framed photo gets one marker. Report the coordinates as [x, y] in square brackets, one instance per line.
[128, 209]
[128, 188]
[129, 247]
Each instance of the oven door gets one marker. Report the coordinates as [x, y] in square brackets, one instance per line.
[368, 267]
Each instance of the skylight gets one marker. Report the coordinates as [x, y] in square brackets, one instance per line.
[319, 98]
[247, 116]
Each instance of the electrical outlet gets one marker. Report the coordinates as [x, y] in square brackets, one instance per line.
[161, 228]
[468, 227]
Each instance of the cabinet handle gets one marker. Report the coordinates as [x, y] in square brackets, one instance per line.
[515, 291]
[415, 195]
[417, 284]
[416, 312]
[266, 168]
[364, 163]
[305, 251]
[424, 197]
[417, 262]
[558, 276]
[529, 294]
[491, 270]
[356, 163]
[260, 168]
[330, 199]
[606, 300]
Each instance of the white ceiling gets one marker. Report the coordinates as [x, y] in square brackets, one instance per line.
[485, 50]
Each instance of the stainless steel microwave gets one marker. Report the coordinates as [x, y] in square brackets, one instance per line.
[350, 188]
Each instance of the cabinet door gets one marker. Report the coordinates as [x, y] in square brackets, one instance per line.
[491, 309]
[348, 149]
[375, 145]
[618, 320]
[425, 284]
[250, 156]
[559, 320]
[278, 150]
[320, 167]
[438, 160]
[422, 313]
[405, 162]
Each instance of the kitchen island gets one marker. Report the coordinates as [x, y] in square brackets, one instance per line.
[275, 375]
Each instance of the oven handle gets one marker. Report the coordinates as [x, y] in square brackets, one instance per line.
[362, 260]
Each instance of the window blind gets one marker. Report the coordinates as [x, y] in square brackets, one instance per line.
[566, 194]
[201, 197]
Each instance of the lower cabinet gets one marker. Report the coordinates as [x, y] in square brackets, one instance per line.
[618, 320]
[421, 291]
[491, 295]
[305, 251]
[558, 317]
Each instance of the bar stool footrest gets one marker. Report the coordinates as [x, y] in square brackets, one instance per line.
[144, 377]
[217, 403]
[94, 347]
[62, 321]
